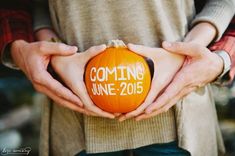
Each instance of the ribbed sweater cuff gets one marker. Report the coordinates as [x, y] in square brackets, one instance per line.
[218, 13]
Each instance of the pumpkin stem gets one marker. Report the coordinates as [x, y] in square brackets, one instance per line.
[116, 44]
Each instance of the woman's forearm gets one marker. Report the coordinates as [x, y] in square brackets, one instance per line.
[45, 34]
[202, 33]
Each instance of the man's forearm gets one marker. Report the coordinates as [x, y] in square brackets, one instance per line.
[202, 33]
[45, 34]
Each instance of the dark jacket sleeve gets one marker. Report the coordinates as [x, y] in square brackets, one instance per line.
[15, 22]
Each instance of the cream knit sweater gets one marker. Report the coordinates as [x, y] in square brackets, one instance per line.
[91, 22]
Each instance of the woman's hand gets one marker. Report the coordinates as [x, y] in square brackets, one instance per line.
[200, 68]
[71, 70]
[165, 67]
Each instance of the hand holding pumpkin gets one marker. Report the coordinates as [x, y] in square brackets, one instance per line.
[165, 67]
[201, 67]
[117, 80]
[33, 59]
[71, 70]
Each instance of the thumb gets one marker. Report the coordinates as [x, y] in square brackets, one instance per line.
[50, 48]
[183, 48]
[142, 50]
[95, 50]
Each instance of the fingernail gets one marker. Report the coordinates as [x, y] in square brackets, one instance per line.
[130, 45]
[68, 47]
[167, 44]
[102, 46]
[74, 48]
[117, 114]
[121, 119]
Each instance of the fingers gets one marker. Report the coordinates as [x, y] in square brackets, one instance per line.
[134, 113]
[80, 89]
[59, 100]
[117, 114]
[45, 79]
[50, 48]
[166, 107]
[63, 102]
[173, 101]
[158, 84]
[183, 48]
[95, 50]
[170, 92]
[142, 50]
[153, 93]
[155, 89]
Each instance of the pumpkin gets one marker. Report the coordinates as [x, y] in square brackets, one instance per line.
[117, 80]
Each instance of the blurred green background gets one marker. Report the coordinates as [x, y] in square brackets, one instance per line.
[20, 112]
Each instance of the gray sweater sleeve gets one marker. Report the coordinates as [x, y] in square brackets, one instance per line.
[41, 15]
[217, 12]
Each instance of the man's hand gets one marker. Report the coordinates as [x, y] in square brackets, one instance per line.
[201, 67]
[33, 59]
[165, 66]
[71, 70]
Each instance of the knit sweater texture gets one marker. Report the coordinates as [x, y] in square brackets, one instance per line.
[146, 22]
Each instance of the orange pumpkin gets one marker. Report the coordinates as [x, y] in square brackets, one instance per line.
[117, 79]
